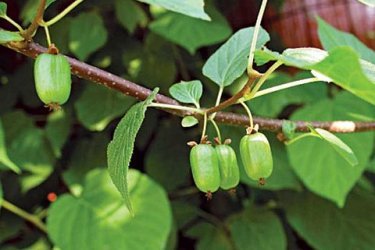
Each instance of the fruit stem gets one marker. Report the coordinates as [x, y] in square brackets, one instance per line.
[217, 129]
[25, 215]
[249, 114]
[255, 37]
[12, 22]
[62, 14]
[204, 127]
[48, 37]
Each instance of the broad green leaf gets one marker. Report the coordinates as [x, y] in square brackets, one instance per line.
[3, 9]
[4, 158]
[120, 149]
[317, 163]
[321, 223]
[336, 66]
[87, 154]
[254, 227]
[331, 37]
[344, 150]
[196, 33]
[189, 121]
[210, 237]
[130, 14]
[95, 115]
[58, 130]
[359, 80]
[100, 215]
[370, 3]
[87, 34]
[230, 60]
[167, 151]
[187, 92]
[193, 8]
[10, 36]
[31, 152]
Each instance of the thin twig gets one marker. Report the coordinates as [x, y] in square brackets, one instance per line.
[105, 78]
[234, 99]
[29, 32]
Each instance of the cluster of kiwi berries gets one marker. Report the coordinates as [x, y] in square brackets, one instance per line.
[215, 167]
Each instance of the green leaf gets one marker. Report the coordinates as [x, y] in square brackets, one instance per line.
[319, 222]
[31, 152]
[370, 3]
[196, 33]
[95, 115]
[10, 36]
[58, 130]
[332, 38]
[130, 14]
[87, 154]
[3, 9]
[187, 92]
[317, 163]
[120, 149]
[359, 80]
[210, 237]
[4, 158]
[254, 227]
[344, 150]
[194, 8]
[230, 60]
[87, 34]
[168, 155]
[99, 214]
[189, 121]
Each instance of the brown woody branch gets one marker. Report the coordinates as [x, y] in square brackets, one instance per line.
[129, 88]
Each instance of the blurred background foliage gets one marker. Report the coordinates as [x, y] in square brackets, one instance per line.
[312, 201]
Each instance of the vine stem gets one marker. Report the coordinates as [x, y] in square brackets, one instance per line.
[62, 14]
[105, 78]
[285, 86]
[25, 215]
[12, 22]
[249, 114]
[255, 37]
[176, 107]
